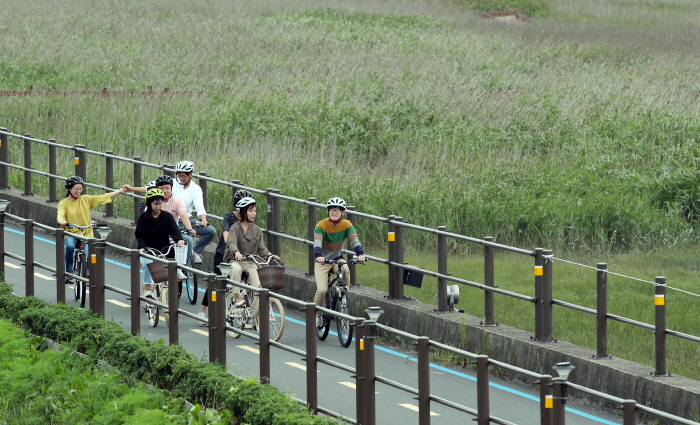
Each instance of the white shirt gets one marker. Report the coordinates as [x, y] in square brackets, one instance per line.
[192, 196]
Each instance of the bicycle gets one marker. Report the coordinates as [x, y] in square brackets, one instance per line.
[80, 264]
[159, 275]
[337, 298]
[190, 282]
[245, 315]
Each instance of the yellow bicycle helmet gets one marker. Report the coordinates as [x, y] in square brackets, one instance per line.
[154, 192]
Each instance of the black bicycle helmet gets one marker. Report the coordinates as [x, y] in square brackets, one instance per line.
[72, 181]
[164, 179]
[240, 194]
[336, 202]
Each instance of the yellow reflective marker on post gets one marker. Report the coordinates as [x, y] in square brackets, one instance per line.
[548, 402]
[391, 237]
[213, 296]
[659, 299]
[76, 161]
[538, 271]
[93, 258]
[362, 344]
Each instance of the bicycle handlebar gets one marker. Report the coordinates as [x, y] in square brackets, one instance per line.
[262, 261]
[341, 262]
[75, 226]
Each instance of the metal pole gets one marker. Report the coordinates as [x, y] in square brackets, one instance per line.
[220, 321]
[80, 165]
[137, 183]
[53, 171]
[276, 223]
[546, 401]
[559, 412]
[602, 311]
[482, 390]
[2, 245]
[359, 369]
[92, 274]
[547, 304]
[489, 280]
[60, 266]
[264, 320]
[442, 269]
[4, 169]
[173, 303]
[352, 267]
[203, 186]
[660, 310]
[424, 380]
[539, 278]
[27, 166]
[109, 181]
[629, 412]
[310, 234]
[99, 294]
[269, 219]
[29, 257]
[391, 242]
[311, 358]
[135, 291]
[211, 286]
[370, 397]
[398, 258]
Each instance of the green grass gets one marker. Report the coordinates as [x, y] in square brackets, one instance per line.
[576, 131]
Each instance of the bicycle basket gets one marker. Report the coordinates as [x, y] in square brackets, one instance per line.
[271, 277]
[181, 254]
[159, 272]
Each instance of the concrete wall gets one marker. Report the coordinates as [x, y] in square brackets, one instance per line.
[627, 380]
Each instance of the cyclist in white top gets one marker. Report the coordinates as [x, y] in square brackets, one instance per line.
[190, 192]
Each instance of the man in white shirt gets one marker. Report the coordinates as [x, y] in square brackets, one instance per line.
[191, 194]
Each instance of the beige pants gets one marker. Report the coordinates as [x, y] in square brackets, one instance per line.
[238, 267]
[321, 273]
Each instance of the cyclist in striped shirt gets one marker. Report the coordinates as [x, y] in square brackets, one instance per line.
[329, 237]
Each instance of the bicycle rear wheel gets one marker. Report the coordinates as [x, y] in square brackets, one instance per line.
[153, 314]
[233, 315]
[345, 327]
[82, 271]
[322, 333]
[276, 319]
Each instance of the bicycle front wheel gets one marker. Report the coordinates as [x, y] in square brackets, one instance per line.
[345, 327]
[276, 319]
[164, 297]
[191, 286]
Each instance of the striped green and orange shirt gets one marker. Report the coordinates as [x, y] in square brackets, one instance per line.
[329, 239]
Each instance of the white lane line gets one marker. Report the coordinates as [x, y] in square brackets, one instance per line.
[119, 303]
[352, 385]
[43, 276]
[200, 331]
[251, 349]
[415, 408]
[14, 266]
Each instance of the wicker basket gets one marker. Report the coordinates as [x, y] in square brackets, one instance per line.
[159, 271]
[271, 277]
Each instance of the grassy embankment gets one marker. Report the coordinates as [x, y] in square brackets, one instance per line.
[576, 131]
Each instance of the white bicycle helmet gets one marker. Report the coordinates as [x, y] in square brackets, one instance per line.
[336, 202]
[242, 193]
[151, 185]
[247, 201]
[184, 167]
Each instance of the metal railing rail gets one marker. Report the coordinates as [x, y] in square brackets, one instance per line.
[543, 299]
[551, 408]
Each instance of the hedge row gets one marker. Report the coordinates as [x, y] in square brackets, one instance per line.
[168, 367]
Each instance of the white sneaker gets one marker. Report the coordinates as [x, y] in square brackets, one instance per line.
[319, 322]
[181, 275]
[203, 316]
[197, 258]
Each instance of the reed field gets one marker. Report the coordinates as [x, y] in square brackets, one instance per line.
[575, 130]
